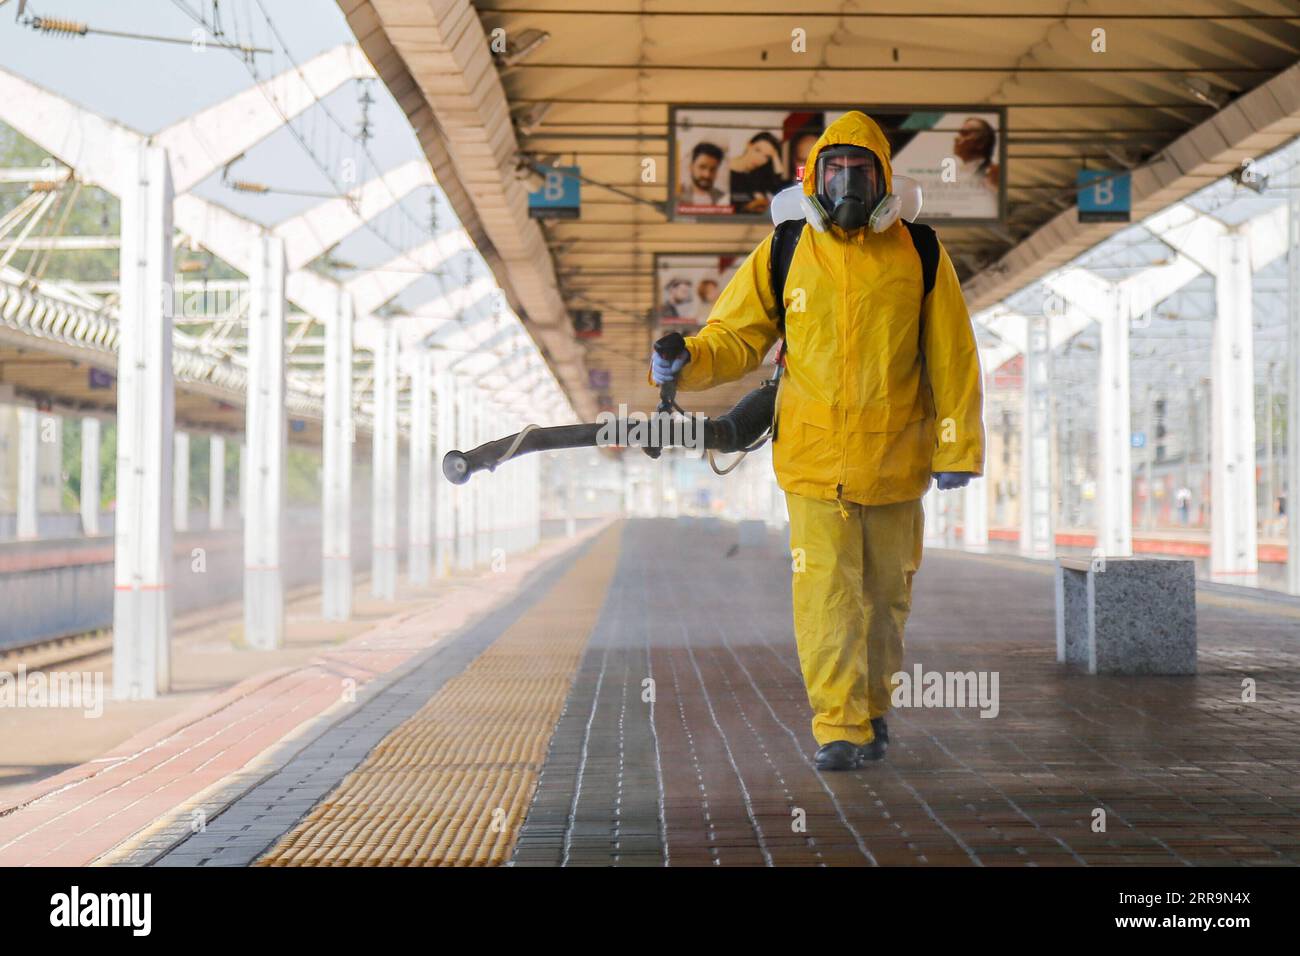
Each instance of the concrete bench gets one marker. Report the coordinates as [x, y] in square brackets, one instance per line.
[1126, 615]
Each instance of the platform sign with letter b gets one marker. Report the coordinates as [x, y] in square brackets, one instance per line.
[560, 196]
[1104, 196]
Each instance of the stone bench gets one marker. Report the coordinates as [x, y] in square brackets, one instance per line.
[1126, 615]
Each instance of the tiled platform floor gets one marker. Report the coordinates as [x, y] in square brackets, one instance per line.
[684, 739]
[717, 770]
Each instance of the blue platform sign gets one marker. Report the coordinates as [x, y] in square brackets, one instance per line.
[1138, 440]
[560, 196]
[1104, 196]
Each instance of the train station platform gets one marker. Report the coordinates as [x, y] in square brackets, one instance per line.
[633, 698]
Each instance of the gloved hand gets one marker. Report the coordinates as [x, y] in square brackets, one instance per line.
[662, 370]
[948, 480]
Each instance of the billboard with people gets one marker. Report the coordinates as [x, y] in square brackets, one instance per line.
[686, 287]
[729, 162]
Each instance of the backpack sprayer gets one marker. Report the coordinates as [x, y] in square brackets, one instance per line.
[748, 425]
[742, 429]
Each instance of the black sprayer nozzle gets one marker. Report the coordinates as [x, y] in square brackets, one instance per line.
[671, 346]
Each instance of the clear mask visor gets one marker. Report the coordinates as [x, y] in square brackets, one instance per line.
[849, 172]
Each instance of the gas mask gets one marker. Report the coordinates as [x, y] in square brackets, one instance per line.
[850, 194]
[817, 210]
[850, 185]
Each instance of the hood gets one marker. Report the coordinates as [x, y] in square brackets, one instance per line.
[851, 129]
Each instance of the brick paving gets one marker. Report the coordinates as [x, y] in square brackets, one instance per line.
[250, 822]
[684, 738]
[716, 769]
[135, 802]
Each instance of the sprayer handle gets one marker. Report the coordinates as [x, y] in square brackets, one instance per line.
[671, 346]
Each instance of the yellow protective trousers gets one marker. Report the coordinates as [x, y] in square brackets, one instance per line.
[853, 566]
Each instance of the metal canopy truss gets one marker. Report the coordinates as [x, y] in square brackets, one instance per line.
[78, 319]
[1255, 123]
[1193, 305]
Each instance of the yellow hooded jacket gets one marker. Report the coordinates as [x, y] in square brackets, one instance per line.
[880, 388]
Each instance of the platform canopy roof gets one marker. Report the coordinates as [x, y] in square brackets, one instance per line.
[1097, 85]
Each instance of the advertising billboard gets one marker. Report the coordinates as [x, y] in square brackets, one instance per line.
[686, 286]
[728, 162]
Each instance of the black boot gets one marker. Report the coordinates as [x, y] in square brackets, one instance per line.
[876, 749]
[839, 755]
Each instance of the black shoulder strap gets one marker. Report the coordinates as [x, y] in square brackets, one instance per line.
[927, 247]
[784, 238]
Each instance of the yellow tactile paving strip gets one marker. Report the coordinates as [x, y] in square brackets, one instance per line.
[451, 785]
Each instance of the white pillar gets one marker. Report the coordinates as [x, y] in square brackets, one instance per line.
[493, 427]
[1037, 511]
[1233, 528]
[466, 397]
[420, 460]
[181, 481]
[658, 468]
[1114, 433]
[484, 488]
[243, 478]
[445, 519]
[383, 491]
[90, 435]
[216, 482]
[975, 516]
[501, 423]
[29, 438]
[535, 503]
[517, 504]
[336, 451]
[267, 437]
[142, 564]
[933, 509]
[1293, 385]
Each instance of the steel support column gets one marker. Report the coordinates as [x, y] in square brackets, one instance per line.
[419, 488]
[1292, 479]
[243, 478]
[484, 490]
[932, 506]
[1233, 518]
[466, 398]
[514, 522]
[336, 452]
[142, 564]
[1114, 433]
[266, 433]
[216, 482]
[90, 439]
[975, 517]
[29, 472]
[181, 481]
[1037, 501]
[383, 490]
[444, 384]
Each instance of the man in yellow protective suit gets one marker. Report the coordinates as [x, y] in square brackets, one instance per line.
[882, 389]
